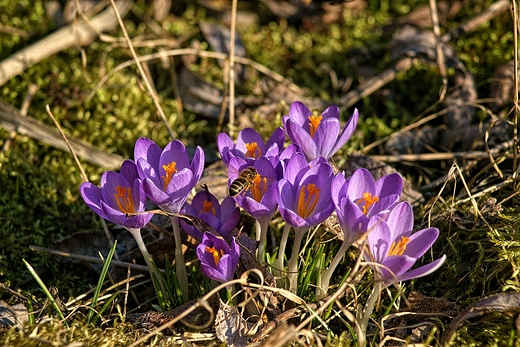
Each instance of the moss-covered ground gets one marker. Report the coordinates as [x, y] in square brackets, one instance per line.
[40, 201]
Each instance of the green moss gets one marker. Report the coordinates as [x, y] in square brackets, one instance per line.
[117, 335]
[41, 203]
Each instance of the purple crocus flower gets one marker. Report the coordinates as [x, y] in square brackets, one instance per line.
[304, 194]
[250, 145]
[218, 260]
[120, 194]
[304, 201]
[260, 199]
[168, 177]
[359, 198]
[222, 217]
[396, 249]
[318, 135]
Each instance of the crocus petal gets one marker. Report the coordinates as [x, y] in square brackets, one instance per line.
[302, 138]
[400, 220]
[389, 185]
[197, 166]
[147, 150]
[275, 143]
[421, 241]
[179, 185]
[359, 183]
[352, 215]
[295, 167]
[347, 132]
[117, 217]
[325, 136]
[147, 171]
[286, 204]
[336, 188]
[385, 204]
[110, 182]
[212, 273]
[129, 170]
[331, 112]
[378, 239]
[321, 176]
[187, 209]
[423, 270]
[175, 151]
[92, 196]
[300, 114]
[229, 216]
[225, 143]
[154, 193]
[395, 267]
[321, 215]
[247, 136]
[265, 208]
[292, 218]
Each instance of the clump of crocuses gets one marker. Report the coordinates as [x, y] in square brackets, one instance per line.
[297, 181]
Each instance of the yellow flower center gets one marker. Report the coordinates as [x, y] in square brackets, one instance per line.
[398, 248]
[124, 199]
[366, 201]
[216, 254]
[308, 199]
[259, 187]
[170, 170]
[314, 123]
[207, 207]
[252, 150]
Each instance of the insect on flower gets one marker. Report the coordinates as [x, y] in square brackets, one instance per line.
[243, 182]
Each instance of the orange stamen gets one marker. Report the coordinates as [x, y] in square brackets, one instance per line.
[253, 150]
[124, 199]
[207, 207]
[259, 187]
[314, 123]
[307, 203]
[170, 170]
[399, 247]
[367, 200]
[216, 254]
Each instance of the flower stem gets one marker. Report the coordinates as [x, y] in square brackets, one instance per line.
[292, 268]
[262, 225]
[230, 291]
[136, 233]
[180, 264]
[281, 252]
[363, 320]
[321, 289]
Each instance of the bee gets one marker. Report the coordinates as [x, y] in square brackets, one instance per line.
[243, 182]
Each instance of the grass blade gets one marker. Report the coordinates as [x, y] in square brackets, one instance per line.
[101, 279]
[45, 289]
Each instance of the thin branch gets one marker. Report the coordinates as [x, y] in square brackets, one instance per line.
[206, 54]
[69, 36]
[151, 91]
[232, 69]
[515, 86]
[438, 48]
